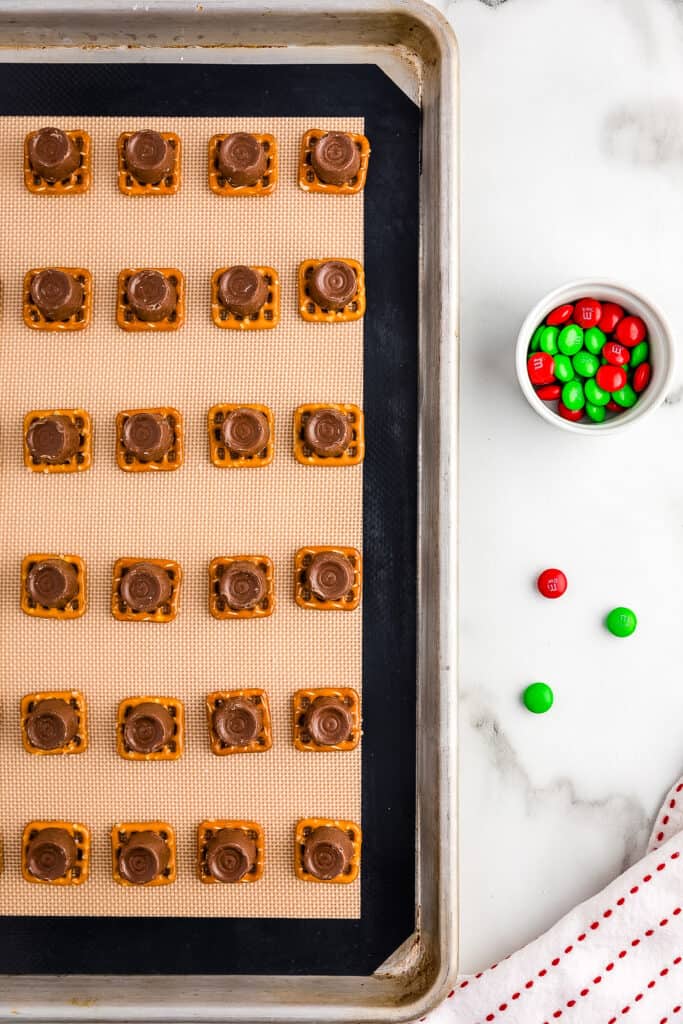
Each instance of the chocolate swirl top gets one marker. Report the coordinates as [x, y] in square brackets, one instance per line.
[57, 295]
[230, 853]
[327, 852]
[51, 724]
[328, 432]
[52, 154]
[53, 439]
[52, 583]
[245, 431]
[242, 290]
[145, 587]
[143, 857]
[328, 721]
[147, 435]
[148, 728]
[242, 159]
[333, 284]
[237, 722]
[50, 854]
[151, 295]
[330, 575]
[148, 156]
[243, 585]
[335, 158]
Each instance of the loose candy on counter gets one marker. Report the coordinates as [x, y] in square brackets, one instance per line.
[552, 583]
[591, 359]
[538, 698]
[621, 622]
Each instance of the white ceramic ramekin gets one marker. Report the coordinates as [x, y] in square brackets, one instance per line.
[660, 337]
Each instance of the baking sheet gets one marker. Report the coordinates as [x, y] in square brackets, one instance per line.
[190, 515]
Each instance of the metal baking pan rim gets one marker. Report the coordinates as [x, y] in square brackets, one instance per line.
[419, 975]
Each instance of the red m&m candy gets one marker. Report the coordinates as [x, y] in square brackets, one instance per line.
[612, 406]
[549, 392]
[541, 368]
[615, 353]
[559, 315]
[611, 315]
[611, 378]
[641, 377]
[569, 414]
[630, 331]
[587, 313]
[552, 583]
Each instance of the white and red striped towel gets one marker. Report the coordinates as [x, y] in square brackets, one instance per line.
[616, 958]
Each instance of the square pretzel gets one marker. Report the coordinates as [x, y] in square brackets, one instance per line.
[222, 456]
[172, 750]
[77, 701]
[303, 594]
[304, 829]
[205, 832]
[120, 834]
[303, 699]
[266, 318]
[167, 612]
[76, 875]
[314, 313]
[126, 318]
[218, 606]
[80, 460]
[129, 185]
[260, 743]
[77, 182]
[309, 180]
[34, 319]
[354, 454]
[222, 187]
[74, 609]
[173, 458]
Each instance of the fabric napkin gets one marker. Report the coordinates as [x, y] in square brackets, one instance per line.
[616, 958]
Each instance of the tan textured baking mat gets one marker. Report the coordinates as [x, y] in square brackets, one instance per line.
[190, 515]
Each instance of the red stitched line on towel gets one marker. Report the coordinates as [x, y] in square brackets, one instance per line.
[650, 985]
[665, 818]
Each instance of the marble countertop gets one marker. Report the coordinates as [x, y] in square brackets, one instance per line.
[572, 166]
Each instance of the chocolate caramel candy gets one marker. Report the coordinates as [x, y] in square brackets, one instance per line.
[242, 290]
[327, 852]
[245, 431]
[143, 857]
[52, 154]
[56, 294]
[241, 159]
[148, 157]
[151, 295]
[230, 853]
[237, 722]
[53, 439]
[50, 854]
[147, 435]
[335, 158]
[330, 575]
[332, 284]
[145, 587]
[328, 721]
[242, 585]
[51, 724]
[328, 432]
[52, 583]
[148, 728]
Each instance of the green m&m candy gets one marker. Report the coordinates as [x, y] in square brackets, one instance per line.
[621, 621]
[596, 413]
[548, 340]
[625, 397]
[573, 396]
[594, 339]
[639, 354]
[570, 340]
[534, 344]
[595, 394]
[538, 698]
[585, 364]
[564, 371]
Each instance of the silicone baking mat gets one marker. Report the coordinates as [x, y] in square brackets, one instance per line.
[190, 515]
